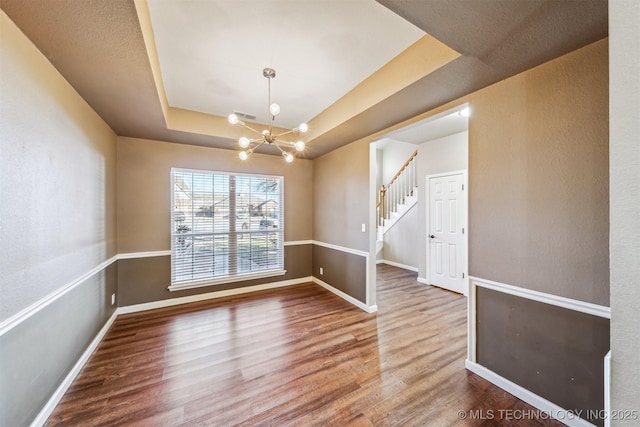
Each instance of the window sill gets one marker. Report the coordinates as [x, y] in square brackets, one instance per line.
[227, 279]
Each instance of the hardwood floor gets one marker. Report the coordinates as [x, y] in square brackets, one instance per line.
[296, 356]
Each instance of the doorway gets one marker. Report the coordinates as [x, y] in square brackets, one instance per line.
[442, 144]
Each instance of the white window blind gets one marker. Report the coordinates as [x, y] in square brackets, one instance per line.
[225, 227]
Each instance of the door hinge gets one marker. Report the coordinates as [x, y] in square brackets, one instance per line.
[462, 187]
[463, 275]
[462, 230]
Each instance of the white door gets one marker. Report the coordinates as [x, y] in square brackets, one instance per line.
[447, 242]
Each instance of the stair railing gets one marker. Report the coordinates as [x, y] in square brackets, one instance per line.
[398, 189]
[380, 206]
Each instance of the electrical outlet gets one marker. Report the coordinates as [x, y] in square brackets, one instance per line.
[321, 271]
[113, 299]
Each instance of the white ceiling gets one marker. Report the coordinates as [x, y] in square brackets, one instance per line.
[212, 52]
[444, 124]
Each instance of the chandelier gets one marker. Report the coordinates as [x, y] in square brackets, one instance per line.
[286, 147]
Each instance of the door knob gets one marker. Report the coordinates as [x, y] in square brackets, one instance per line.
[432, 236]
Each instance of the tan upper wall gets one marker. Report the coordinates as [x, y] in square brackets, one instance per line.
[144, 192]
[57, 178]
[340, 196]
[394, 155]
[539, 176]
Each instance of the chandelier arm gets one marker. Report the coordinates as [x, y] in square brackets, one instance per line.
[254, 140]
[244, 125]
[259, 144]
[284, 133]
[286, 144]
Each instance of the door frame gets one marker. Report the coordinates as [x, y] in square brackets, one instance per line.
[465, 222]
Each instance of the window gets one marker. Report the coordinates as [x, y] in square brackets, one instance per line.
[225, 227]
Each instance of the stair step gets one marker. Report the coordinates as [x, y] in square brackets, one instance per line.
[396, 214]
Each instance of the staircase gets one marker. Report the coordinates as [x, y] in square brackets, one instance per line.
[396, 198]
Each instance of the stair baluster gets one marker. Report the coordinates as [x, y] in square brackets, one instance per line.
[395, 193]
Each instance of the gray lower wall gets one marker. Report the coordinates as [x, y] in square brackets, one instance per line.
[556, 353]
[342, 270]
[39, 352]
[143, 280]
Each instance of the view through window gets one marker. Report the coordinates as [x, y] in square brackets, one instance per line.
[225, 226]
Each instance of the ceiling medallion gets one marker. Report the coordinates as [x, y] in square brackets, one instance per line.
[249, 145]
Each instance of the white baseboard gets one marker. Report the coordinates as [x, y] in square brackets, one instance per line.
[348, 298]
[553, 410]
[397, 264]
[211, 295]
[423, 281]
[55, 398]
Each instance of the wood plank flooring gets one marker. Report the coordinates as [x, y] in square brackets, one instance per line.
[295, 356]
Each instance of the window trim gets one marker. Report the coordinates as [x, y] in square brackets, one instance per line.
[228, 278]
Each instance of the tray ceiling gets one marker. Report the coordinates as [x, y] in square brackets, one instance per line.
[212, 53]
